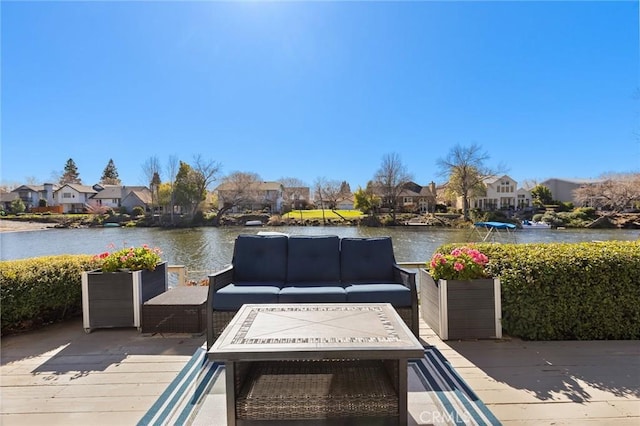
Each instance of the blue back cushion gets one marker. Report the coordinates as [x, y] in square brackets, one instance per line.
[367, 260]
[314, 259]
[259, 258]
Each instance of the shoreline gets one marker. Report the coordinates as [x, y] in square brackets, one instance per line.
[19, 226]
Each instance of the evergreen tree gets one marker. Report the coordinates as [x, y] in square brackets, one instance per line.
[110, 174]
[188, 194]
[70, 174]
[541, 195]
[155, 189]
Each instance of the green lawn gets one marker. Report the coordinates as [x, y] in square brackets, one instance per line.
[317, 214]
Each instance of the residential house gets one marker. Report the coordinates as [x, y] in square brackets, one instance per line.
[32, 194]
[258, 196]
[117, 196]
[562, 189]
[140, 197]
[417, 198]
[523, 199]
[297, 197]
[6, 198]
[346, 202]
[501, 194]
[73, 198]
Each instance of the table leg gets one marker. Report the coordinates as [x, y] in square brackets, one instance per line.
[403, 389]
[230, 373]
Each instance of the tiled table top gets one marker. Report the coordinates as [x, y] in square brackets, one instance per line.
[316, 331]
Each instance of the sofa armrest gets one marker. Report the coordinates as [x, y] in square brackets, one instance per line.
[221, 278]
[408, 279]
[404, 277]
[217, 280]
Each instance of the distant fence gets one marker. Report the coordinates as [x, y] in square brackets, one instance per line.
[50, 209]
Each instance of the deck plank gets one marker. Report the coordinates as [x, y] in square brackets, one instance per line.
[61, 375]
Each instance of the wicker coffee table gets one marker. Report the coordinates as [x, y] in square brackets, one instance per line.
[317, 363]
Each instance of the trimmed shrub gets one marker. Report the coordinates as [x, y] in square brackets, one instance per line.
[41, 290]
[574, 291]
[137, 211]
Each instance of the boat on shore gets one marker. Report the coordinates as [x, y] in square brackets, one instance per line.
[529, 224]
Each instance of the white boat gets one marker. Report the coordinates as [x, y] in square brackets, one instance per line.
[253, 223]
[529, 224]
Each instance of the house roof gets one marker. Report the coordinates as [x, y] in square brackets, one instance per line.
[115, 192]
[83, 189]
[109, 192]
[412, 189]
[574, 181]
[144, 195]
[34, 188]
[494, 179]
[7, 197]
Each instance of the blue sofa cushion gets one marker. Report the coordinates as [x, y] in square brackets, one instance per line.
[367, 260]
[396, 294]
[308, 293]
[314, 259]
[232, 296]
[260, 258]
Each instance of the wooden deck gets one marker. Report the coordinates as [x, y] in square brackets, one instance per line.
[61, 376]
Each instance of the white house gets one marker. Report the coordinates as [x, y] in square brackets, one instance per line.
[524, 200]
[501, 194]
[73, 198]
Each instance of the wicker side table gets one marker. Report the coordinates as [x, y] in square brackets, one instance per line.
[179, 310]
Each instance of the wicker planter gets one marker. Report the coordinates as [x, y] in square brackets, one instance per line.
[461, 309]
[114, 299]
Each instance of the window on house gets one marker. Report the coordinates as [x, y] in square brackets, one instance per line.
[66, 195]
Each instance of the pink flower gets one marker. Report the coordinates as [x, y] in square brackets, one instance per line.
[464, 263]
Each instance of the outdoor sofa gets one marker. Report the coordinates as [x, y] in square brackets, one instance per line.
[309, 269]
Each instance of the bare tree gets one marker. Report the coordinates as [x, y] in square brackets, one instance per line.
[332, 191]
[296, 192]
[318, 195]
[237, 189]
[465, 169]
[206, 173]
[390, 179]
[151, 172]
[615, 192]
[291, 182]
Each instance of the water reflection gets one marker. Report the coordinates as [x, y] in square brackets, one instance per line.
[203, 250]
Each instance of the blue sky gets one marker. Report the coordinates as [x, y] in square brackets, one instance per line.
[319, 89]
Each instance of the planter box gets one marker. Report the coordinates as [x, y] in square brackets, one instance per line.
[461, 309]
[114, 299]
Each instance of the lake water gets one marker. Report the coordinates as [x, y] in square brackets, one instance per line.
[207, 249]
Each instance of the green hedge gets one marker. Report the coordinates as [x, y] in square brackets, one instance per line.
[41, 290]
[574, 291]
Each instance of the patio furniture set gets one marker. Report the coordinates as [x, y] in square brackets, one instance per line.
[310, 269]
[316, 329]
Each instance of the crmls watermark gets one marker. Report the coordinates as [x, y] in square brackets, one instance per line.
[435, 417]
